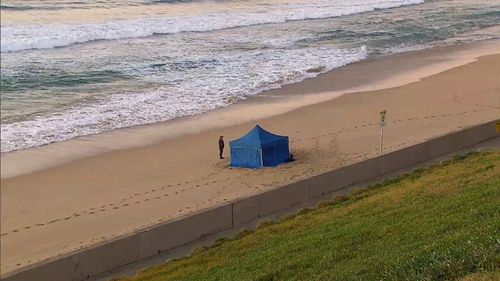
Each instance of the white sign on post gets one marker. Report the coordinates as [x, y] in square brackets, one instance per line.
[382, 125]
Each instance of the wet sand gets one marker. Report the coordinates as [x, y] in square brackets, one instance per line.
[85, 201]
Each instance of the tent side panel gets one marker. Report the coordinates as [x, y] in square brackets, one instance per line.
[275, 153]
[282, 151]
[245, 157]
[268, 156]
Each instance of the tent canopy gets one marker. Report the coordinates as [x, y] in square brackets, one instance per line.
[259, 148]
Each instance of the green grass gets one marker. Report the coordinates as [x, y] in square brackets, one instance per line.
[483, 276]
[437, 223]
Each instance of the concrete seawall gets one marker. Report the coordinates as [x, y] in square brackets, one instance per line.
[107, 256]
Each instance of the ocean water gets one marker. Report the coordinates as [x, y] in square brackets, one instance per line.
[72, 68]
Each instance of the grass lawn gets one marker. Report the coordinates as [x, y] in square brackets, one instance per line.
[436, 223]
[483, 276]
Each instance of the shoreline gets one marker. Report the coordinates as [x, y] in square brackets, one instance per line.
[424, 63]
[85, 202]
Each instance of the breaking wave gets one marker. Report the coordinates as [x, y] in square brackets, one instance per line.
[26, 37]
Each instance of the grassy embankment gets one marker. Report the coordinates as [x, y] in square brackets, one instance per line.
[436, 223]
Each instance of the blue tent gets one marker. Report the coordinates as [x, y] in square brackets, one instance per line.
[259, 148]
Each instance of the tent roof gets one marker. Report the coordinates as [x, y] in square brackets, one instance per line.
[256, 138]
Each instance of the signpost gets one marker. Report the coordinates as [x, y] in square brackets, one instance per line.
[382, 125]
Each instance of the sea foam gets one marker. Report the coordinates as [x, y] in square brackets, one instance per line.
[42, 36]
[269, 69]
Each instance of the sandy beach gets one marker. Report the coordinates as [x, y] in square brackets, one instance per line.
[106, 187]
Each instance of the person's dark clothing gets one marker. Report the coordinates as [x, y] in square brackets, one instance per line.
[221, 148]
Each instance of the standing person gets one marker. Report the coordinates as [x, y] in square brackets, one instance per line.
[221, 146]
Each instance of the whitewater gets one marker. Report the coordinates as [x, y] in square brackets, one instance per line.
[17, 38]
